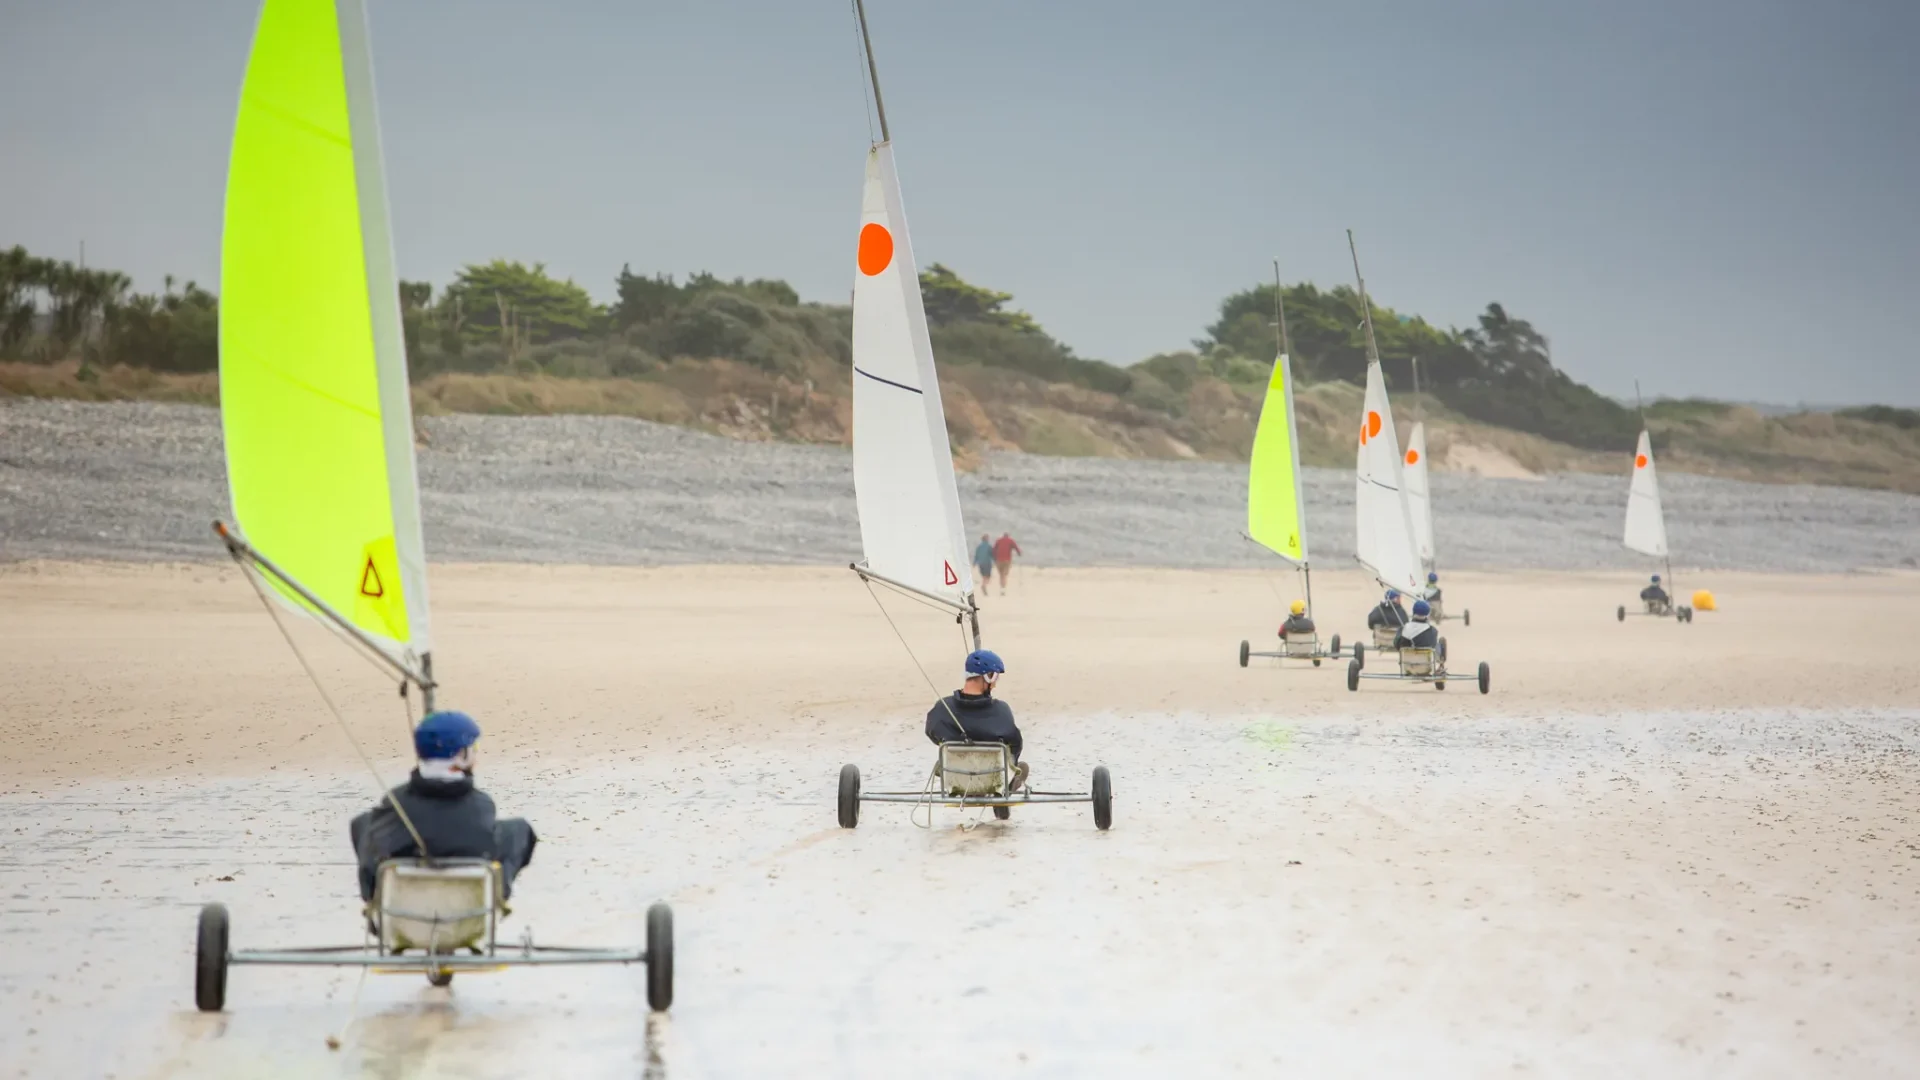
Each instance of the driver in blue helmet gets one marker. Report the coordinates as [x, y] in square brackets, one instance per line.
[1418, 633]
[1387, 612]
[1654, 593]
[452, 817]
[1431, 593]
[973, 714]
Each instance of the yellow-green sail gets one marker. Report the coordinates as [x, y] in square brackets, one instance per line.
[1276, 515]
[313, 371]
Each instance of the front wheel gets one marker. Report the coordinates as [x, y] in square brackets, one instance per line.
[1486, 676]
[1466, 617]
[1244, 650]
[1622, 613]
[210, 960]
[849, 796]
[659, 957]
[1353, 673]
[1335, 651]
[1002, 813]
[440, 977]
[1102, 798]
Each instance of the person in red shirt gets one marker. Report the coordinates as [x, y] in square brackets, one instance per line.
[1004, 549]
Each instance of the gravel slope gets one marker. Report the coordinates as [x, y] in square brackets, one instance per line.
[141, 481]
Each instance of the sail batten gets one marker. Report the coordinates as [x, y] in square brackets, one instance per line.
[909, 506]
[315, 414]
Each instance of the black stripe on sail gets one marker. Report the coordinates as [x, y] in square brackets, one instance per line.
[889, 382]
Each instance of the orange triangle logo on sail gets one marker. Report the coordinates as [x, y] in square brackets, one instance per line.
[952, 578]
[370, 581]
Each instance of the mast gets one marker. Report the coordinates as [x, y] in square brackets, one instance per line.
[1280, 312]
[1366, 307]
[1286, 350]
[873, 72]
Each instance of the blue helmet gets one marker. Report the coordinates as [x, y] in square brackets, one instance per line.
[1393, 594]
[1422, 609]
[1433, 578]
[985, 662]
[1656, 579]
[442, 735]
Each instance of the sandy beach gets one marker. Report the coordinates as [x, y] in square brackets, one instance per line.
[1666, 849]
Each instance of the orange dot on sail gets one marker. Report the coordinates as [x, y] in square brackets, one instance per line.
[1373, 423]
[876, 248]
[1363, 433]
[1640, 461]
[1413, 457]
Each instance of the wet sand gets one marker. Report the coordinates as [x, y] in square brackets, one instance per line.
[1654, 848]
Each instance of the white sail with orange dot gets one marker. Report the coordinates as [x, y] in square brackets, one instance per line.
[1646, 530]
[1383, 521]
[910, 525]
[1419, 497]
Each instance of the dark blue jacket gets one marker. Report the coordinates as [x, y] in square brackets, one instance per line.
[455, 820]
[983, 718]
[1419, 635]
[1386, 613]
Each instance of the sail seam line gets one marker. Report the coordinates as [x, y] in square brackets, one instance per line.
[903, 386]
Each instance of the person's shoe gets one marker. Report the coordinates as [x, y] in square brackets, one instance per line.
[1019, 776]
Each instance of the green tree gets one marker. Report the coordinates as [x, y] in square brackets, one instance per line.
[523, 301]
[949, 300]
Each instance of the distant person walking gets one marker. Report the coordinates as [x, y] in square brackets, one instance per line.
[983, 562]
[1004, 549]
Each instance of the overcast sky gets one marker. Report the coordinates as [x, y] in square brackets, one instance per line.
[1714, 196]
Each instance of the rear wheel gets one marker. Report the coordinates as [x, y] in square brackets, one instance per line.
[1622, 613]
[1466, 617]
[659, 957]
[1486, 676]
[1359, 656]
[849, 796]
[1353, 673]
[210, 960]
[1102, 798]
[1244, 649]
[1441, 652]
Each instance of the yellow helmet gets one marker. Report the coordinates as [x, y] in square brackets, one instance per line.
[1299, 607]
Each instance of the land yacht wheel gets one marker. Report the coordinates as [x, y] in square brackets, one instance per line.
[210, 960]
[1102, 798]
[1244, 650]
[660, 957]
[849, 796]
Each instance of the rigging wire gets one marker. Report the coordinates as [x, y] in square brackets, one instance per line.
[866, 94]
[931, 789]
[253, 579]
